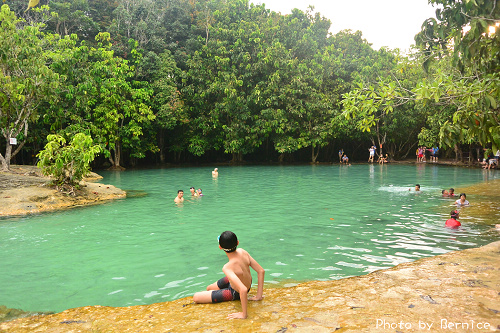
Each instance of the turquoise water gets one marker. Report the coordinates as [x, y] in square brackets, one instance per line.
[299, 222]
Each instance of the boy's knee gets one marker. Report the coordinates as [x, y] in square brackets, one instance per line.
[202, 297]
[212, 286]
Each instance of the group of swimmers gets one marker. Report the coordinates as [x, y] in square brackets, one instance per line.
[453, 222]
[194, 193]
[462, 201]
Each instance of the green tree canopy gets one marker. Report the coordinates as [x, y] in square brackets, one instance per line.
[26, 79]
[467, 31]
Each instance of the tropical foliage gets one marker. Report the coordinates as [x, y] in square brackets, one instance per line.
[201, 81]
[67, 163]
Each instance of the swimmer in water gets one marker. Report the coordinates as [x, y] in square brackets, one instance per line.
[193, 192]
[452, 221]
[180, 197]
[462, 201]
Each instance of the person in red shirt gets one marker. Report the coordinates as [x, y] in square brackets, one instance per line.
[452, 222]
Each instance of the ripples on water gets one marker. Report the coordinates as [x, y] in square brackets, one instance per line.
[299, 222]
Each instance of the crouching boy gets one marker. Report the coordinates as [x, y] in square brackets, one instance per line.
[237, 281]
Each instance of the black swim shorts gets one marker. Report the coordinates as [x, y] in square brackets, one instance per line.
[225, 292]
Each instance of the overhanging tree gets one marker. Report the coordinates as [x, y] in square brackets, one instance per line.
[468, 31]
[26, 80]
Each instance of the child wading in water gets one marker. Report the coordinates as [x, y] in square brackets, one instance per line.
[237, 281]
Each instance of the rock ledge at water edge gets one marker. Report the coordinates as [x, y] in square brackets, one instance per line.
[453, 292]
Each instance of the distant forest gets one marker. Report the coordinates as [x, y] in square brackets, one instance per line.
[194, 81]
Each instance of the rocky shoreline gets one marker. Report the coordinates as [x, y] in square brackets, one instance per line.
[25, 191]
[453, 292]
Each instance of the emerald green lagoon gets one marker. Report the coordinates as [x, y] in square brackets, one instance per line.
[301, 223]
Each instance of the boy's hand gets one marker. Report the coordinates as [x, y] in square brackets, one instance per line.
[255, 298]
[236, 315]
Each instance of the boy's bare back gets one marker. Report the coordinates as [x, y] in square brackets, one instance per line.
[240, 264]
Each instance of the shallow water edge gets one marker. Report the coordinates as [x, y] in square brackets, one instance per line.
[457, 291]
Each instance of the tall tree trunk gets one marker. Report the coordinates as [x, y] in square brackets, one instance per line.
[161, 145]
[458, 153]
[115, 157]
[314, 153]
[237, 157]
[6, 160]
[118, 154]
[380, 139]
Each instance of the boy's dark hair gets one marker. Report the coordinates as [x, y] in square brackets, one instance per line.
[463, 194]
[417, 185]
[228, 241]
[180, 191]
[452, 189]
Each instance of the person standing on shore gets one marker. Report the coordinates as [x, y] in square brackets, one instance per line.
[436, 154]
[420, 154]
[372, 153]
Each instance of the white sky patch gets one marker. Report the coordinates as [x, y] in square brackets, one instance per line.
[391, 23]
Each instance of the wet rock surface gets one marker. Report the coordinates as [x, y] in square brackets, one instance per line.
[453, 292]
[7, 314]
